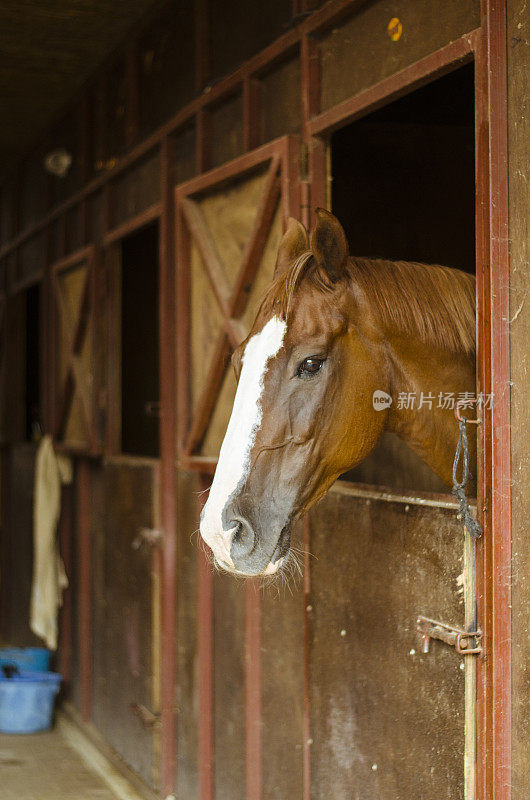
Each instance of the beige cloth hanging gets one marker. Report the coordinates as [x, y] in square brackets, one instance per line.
[49, 576]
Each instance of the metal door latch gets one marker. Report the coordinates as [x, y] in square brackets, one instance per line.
[461, 640]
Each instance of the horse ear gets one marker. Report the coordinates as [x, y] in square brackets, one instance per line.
[295, 241]
[329, 244]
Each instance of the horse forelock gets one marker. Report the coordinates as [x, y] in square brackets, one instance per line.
[433, 303]
[281, 295]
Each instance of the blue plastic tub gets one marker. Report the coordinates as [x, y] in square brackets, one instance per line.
[35, 659]
[26, 701]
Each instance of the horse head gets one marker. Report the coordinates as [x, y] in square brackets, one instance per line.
[303, 411]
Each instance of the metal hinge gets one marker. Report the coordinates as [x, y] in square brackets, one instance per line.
[464, 642]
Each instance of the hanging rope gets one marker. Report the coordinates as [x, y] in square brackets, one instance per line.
[462, 450]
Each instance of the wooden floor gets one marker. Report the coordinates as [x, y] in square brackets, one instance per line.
[44, 766]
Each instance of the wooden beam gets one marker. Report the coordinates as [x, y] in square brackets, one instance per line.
[314, 179]
[168, 505]
[142, 219]
[203, 138]
[203, 464]
[307, 662]
[84, 254]
[208, 398]
[435, 65]
[132, 106]
[238, 167]
[253, 689]
[100, 143]
[205, 664]
[85, 167]
[257, 239]
[212, 263]
[494, 574]
[66, 529]
[112, 268]
[183, 279]
[84, 578]
[236, 331]
[202, 44]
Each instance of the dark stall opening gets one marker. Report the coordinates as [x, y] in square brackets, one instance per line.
[403, 187]
[139, 337]
[32, 373]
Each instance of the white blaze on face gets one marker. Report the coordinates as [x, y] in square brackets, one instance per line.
[234, 459]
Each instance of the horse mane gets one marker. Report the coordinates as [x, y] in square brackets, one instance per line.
[434, 303]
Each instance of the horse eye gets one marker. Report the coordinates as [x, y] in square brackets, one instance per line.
[310, 366]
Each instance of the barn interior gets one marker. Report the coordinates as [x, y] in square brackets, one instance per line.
[154, 153]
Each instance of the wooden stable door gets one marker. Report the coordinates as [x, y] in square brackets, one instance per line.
[126, 625]
[387, 719]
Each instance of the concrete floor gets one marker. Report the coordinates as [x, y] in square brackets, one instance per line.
[44, 766]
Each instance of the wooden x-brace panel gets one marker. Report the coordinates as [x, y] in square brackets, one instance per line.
[279, 188]
[76, 328]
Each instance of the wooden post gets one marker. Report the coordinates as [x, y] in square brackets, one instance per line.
[65, 618]
[205, 660]
[493, 373]
[202, 44]
[132, 109]
[84, 579]
[203, 140]
[168, 508]
[253, 691]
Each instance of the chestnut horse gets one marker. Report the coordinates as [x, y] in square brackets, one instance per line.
[332, 331]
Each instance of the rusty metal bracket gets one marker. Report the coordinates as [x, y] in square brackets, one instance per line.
[461, 640]
[146, 717]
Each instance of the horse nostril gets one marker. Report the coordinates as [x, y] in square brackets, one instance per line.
[236, 536]
[242, 540]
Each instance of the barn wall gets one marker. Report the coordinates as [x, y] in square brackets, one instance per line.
[360, 53]
[519, 238]
[124, 673]
[121, 646]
